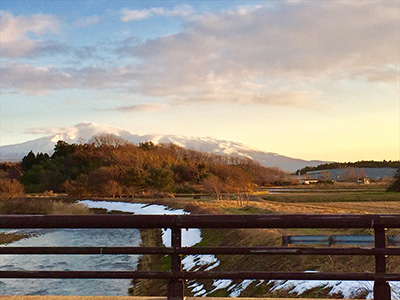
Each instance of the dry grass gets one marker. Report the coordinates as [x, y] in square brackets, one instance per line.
[313, 201]
[6, 238]
[42, 206]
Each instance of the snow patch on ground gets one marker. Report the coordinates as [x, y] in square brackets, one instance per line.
[239, 288]
[349, 289]
[219, 285]
[189, 237]
[197, 289]
[196, 262]
[136, 208]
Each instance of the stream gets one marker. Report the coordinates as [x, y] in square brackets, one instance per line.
[82, 238]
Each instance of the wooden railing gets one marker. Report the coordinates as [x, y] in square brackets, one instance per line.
[176, 276]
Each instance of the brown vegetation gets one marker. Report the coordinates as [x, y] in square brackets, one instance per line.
[150, 287]
[10, 188]
[31, 205]
[6, 238]
[108, 166]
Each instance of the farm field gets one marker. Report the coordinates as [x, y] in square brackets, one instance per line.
[349, 200]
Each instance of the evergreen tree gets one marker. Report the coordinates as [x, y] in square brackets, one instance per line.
[63, 149]
[395, 186]
[28, 161]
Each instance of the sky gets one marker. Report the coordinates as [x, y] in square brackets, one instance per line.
[305, 79]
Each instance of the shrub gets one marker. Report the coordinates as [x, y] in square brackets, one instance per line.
[10, 188]
[48, 193]
[62, 208]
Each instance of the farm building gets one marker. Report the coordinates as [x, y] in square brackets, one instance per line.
[352, 174]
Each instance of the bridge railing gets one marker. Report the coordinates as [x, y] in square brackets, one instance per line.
[176, 276]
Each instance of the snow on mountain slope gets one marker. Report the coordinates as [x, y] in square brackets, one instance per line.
[84, 131]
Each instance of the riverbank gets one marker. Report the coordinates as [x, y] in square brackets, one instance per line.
[151, 287]
[34, 205]
[7, 238]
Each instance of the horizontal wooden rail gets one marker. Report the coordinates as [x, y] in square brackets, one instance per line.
[199, 275]
[176, 277]
[201, 221]
[86, 250]
[198, 251]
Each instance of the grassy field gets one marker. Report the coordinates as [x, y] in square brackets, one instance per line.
[309, 200]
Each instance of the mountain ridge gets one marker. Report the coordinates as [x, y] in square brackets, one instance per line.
[82, 132]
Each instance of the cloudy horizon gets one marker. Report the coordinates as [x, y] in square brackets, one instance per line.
[306, 79]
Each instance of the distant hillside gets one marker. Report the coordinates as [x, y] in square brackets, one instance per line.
[359, 165]
[110, 166]
[84, 131]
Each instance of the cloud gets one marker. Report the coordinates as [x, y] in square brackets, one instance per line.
[150, 107]
[47, 130]
[128, 15]
[244, 55]
[37, 80]
[16, 34]
[86, 52]
[275, 55]
[88, 21]
[134, 15]
[28, 78]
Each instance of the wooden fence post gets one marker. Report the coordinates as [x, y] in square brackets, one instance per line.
[381, 287]
[175, 286]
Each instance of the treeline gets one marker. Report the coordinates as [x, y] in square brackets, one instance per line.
[109, 166]
[358, 164]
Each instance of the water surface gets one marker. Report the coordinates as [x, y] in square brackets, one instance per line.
[81, 238]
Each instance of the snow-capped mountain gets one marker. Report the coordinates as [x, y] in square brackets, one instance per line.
[84, 131]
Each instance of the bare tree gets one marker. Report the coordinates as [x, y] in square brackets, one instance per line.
[107, 139]
[114, 188]
[213, 185]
